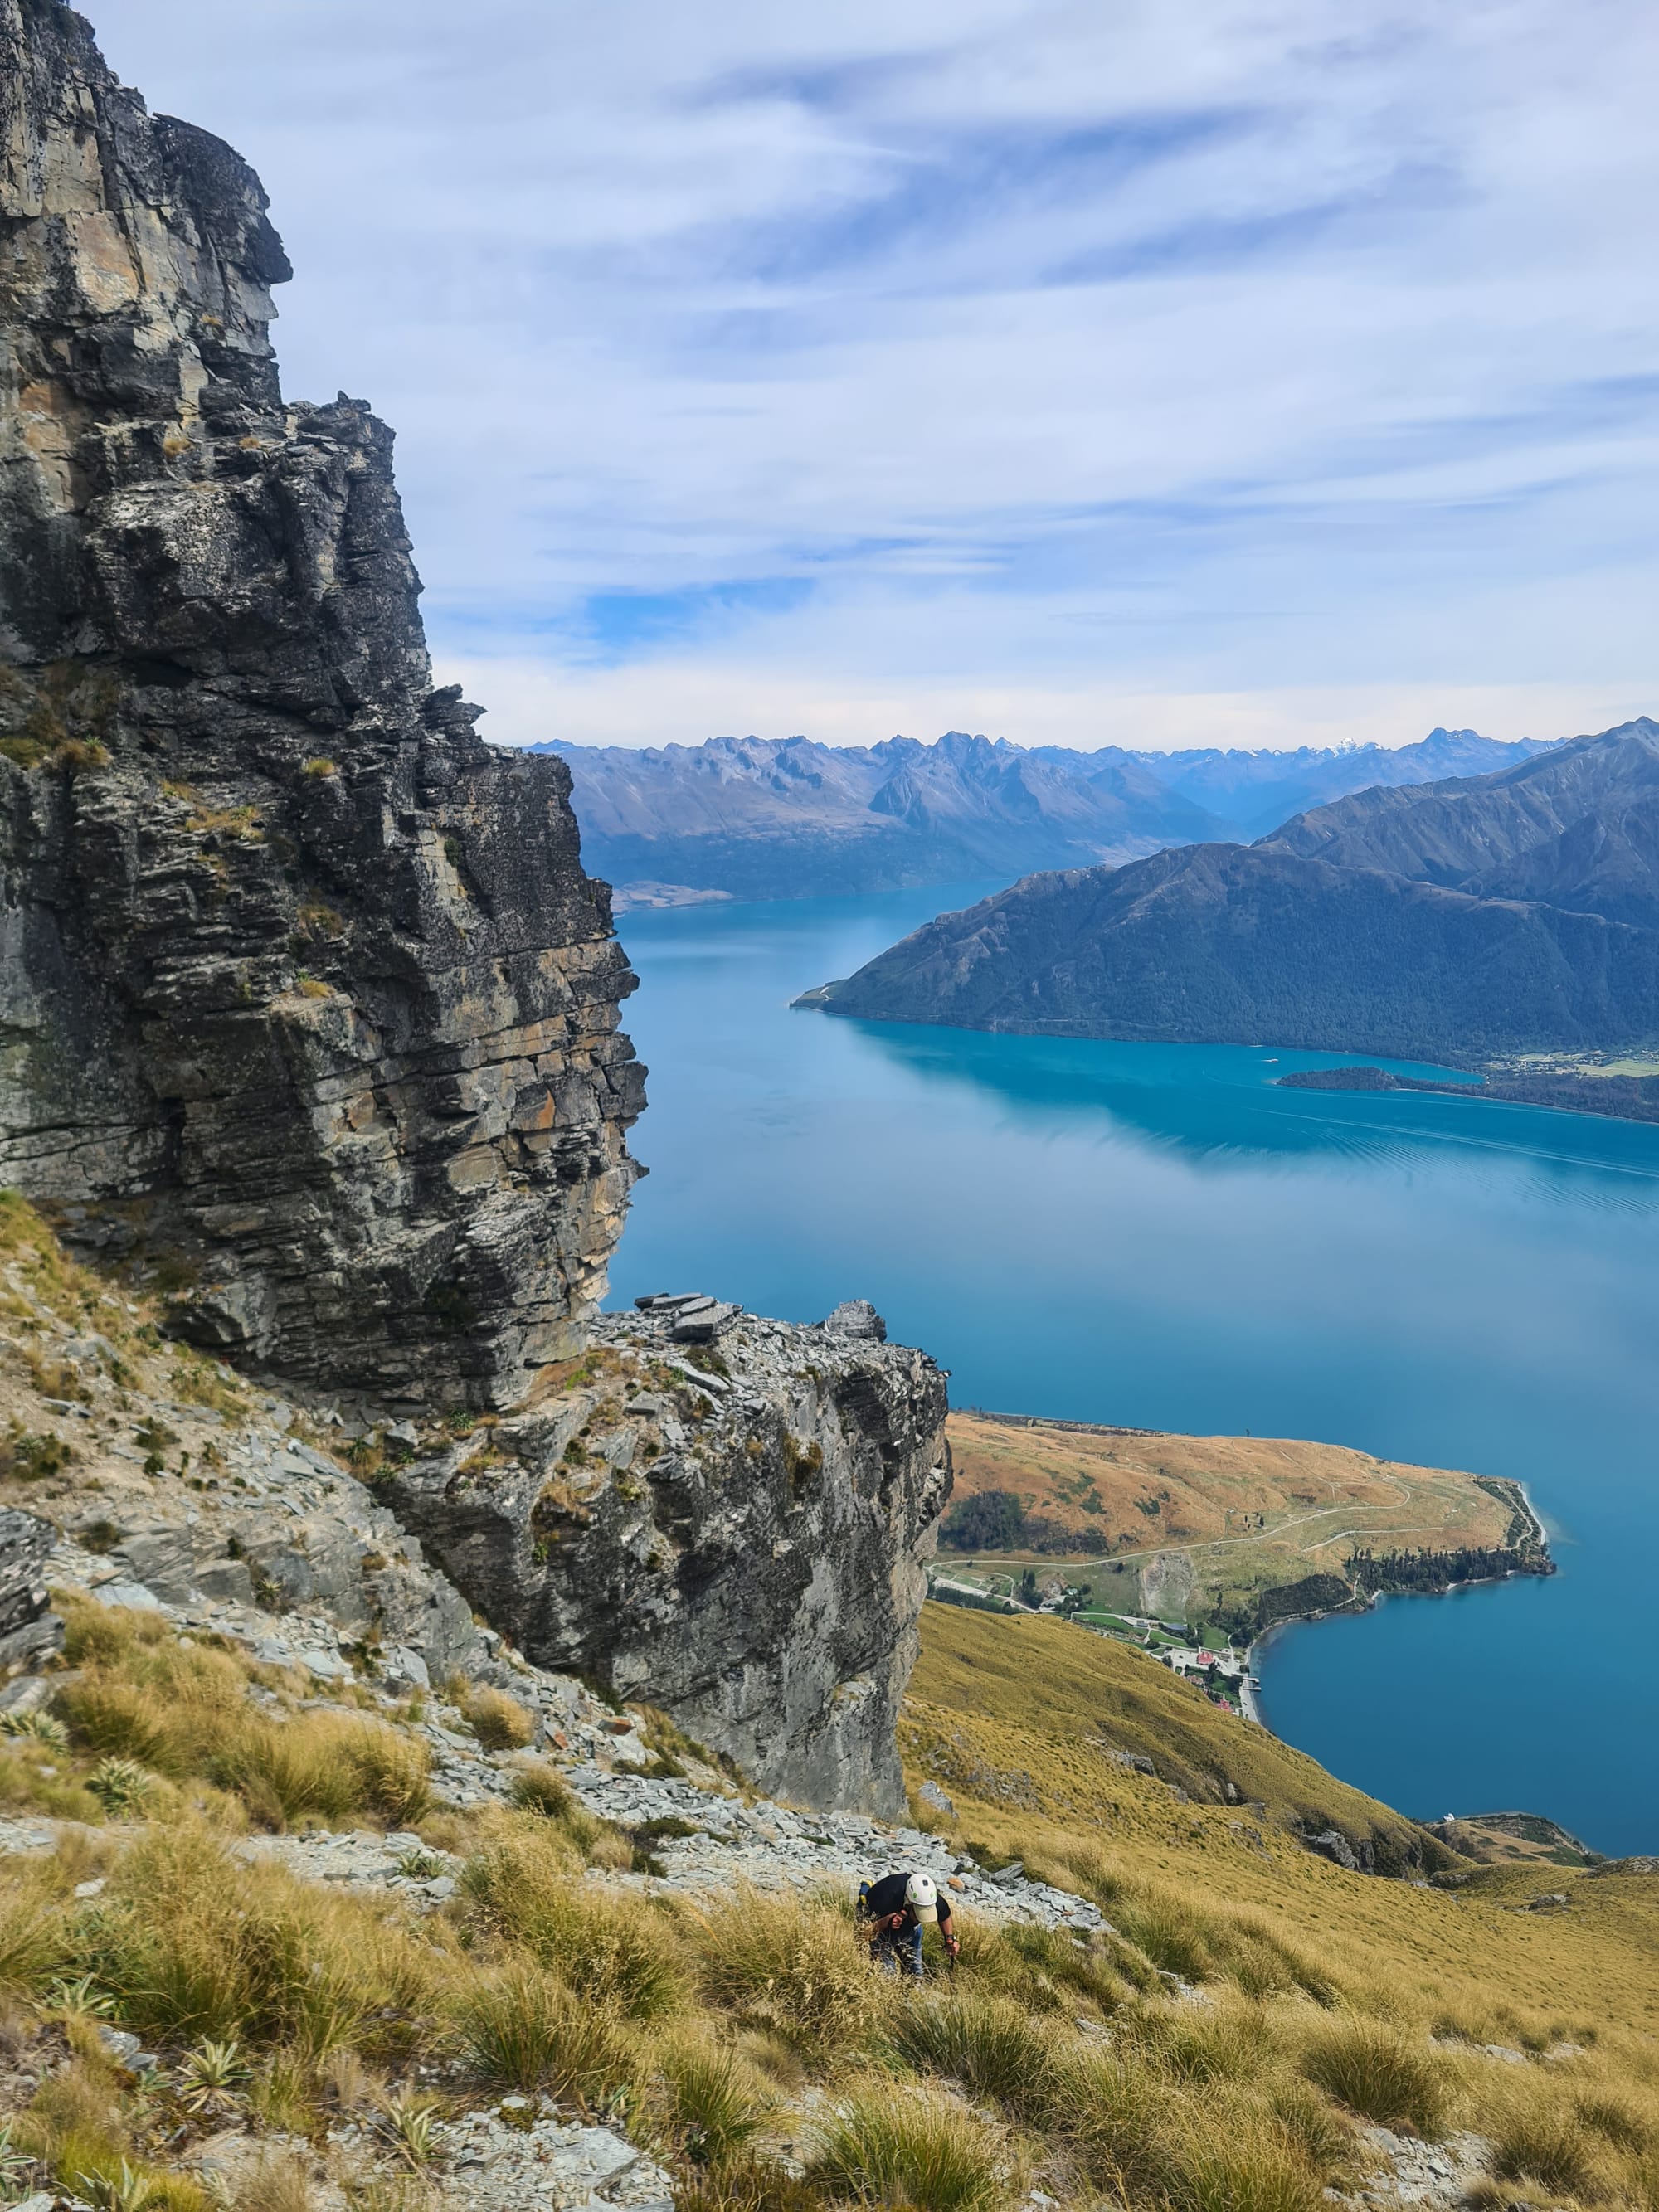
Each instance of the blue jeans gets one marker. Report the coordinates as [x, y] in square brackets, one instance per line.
[900, 1953]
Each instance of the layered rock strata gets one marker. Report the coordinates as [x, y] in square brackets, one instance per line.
[297, 976]
[305, 994]
[738, 1535]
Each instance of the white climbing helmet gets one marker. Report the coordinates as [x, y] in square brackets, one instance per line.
[921, 1895]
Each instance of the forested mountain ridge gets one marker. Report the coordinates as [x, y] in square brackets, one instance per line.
[753, 817]
[1395, 922]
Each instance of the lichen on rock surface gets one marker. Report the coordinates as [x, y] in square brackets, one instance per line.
[744, 1546]
[298, 977]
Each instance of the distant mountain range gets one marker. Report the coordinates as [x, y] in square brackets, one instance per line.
[761, 818]
[1454, 920]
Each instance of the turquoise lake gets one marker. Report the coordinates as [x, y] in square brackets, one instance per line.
[1154, 1234]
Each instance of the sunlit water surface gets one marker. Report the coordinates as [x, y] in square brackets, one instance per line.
[1154, 1235]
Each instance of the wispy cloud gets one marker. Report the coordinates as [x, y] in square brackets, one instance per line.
[786, 358]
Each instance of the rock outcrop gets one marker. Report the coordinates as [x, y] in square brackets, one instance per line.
[740, 1540]
[27, 1628]
[305, 994]
[297, 976]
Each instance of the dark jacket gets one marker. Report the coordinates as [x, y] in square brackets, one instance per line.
[886, 1897]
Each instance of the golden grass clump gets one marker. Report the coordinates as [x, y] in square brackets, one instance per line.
[1243, 2161]
[989, 2045]
[499, 1723]
[183, 1713]
[75, 2127]
[194, 1946]
[278, 2180]
[1546, 2143]
[1379, 2072]
[1115, 2112]
[617, 1949]
[1197, 2047]
[880, 2146]
[521, 2028]
[1616, 2120]
[705, 2101]
[794, 1965]
[35, 1942]
[541, 1790]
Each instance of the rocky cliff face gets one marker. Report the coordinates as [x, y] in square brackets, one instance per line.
[737, 1536]
[297, 976]
[303, 988]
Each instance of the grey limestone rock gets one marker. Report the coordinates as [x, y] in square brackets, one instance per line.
[856, 1318]
[1331, 1843]
[753, 1562]
[304, 986]
[297, 975]
[26, 1627]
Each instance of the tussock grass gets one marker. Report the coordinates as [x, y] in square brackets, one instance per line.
[182, 1714]
[794, 1965]
[543, 1790]
[991, 2045]
[619, 1950]
[1378, 2071]
[1162, 1929]
[706, 2102]
[1116, 2112]
[1247, 2162]
[193, 1947]
[499, 1723]
[522, 2029]
[1616, 2120]
[745, 2183]
[34, 1941]
[1170, 1933]
[1198, 2047]
[75, 2126]
[1548, 2143]
[1323, 2137]
[277, 2181]
[879, 2147]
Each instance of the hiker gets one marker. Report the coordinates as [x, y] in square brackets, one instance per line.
[894, 1911]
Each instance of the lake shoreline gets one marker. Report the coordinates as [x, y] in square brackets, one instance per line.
[1369, 1601]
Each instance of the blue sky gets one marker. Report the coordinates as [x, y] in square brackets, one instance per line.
[1221, 373]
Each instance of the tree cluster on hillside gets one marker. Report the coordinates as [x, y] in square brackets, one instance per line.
[1441, 1571]
[996, 1521]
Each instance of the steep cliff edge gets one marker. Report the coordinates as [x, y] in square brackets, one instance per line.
[297, 976]
[304, 991]
[741, 1540]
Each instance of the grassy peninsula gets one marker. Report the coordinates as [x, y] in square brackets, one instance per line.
[1219, 1533]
